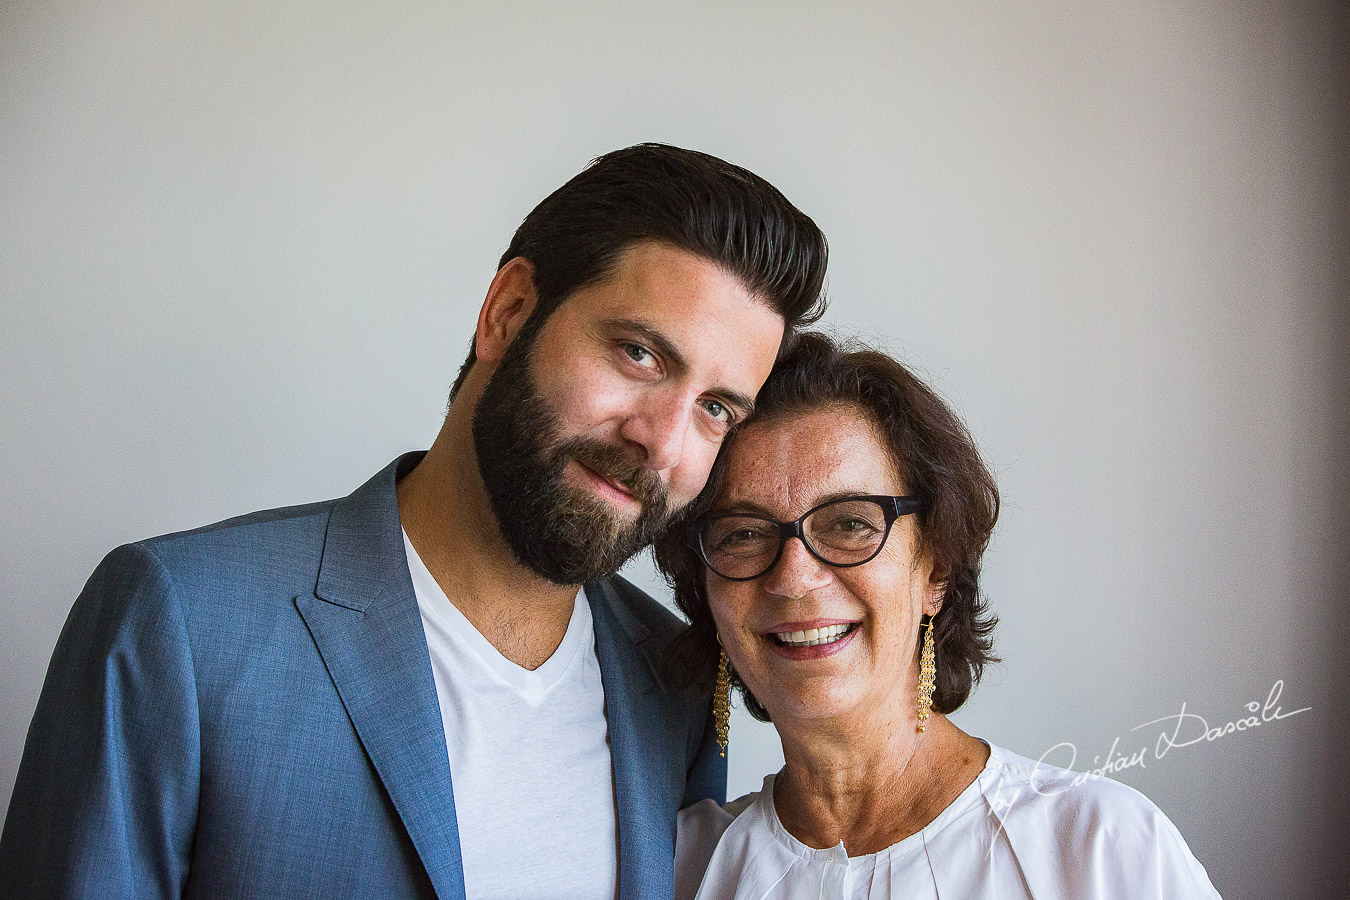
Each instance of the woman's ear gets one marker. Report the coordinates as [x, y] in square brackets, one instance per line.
[511, 298]
[937, 590]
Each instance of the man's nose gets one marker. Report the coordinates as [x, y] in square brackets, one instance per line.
[659, 428]
[796, 573]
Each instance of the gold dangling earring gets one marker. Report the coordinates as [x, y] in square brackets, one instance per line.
[722, 699]
[927, 675]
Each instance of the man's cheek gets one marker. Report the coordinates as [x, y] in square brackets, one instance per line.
[685, 485]
[593, 401]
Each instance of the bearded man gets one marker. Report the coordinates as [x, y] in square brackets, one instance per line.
[436, 686]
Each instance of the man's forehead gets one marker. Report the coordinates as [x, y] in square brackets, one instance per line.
[682, 297]
[660, 266]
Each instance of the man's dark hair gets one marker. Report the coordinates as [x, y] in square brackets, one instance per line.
[937, 460]
[690, 200]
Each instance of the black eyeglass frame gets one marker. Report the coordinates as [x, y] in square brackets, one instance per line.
[892, 508]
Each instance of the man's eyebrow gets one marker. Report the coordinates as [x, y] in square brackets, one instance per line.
[649, 334]
[738, 400]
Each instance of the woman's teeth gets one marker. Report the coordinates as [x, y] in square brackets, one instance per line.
[811, 637]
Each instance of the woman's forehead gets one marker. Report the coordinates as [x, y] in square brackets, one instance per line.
[786, 464]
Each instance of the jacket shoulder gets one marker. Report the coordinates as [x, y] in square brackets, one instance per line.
[274, 534]
[257, 524]
[649, 614]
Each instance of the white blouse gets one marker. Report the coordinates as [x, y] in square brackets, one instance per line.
[1022, 829]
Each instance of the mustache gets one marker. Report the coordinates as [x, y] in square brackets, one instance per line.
[618, 466]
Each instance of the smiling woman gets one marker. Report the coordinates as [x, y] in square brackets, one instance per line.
[835, 557]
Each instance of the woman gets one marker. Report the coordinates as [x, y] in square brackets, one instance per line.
[835, 557]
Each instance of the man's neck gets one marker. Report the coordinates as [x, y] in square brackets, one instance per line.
[444, 509]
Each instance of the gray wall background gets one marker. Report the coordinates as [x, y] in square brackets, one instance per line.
[242, 247]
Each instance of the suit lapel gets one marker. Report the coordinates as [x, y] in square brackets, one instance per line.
[635, 710]
[365, 622]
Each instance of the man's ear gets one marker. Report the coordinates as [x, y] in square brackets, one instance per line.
[510, 299]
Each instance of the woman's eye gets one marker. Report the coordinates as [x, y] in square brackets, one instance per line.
[742, 538]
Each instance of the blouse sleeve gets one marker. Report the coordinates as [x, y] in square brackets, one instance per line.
[699, 829]
[1105, 840]
[1151, 860]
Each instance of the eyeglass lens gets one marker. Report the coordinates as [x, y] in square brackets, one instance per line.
[843, 533]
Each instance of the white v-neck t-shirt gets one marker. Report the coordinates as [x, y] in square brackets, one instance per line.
[530, 763]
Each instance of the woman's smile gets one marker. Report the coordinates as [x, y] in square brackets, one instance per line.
[811, 640]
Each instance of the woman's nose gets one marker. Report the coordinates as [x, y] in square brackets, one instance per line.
[796, 573]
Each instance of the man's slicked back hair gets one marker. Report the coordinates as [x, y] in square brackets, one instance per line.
[688, 199]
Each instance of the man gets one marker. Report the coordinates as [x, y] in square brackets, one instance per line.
[406, 692]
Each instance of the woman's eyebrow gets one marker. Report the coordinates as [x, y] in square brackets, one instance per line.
[749, 507]
[743, 506]
[842, 495]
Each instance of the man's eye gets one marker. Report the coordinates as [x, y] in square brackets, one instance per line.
[640, 355]
[717, 410]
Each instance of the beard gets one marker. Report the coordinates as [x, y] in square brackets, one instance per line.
[564, 534]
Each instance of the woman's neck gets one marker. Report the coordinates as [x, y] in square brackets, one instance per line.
[871, 783]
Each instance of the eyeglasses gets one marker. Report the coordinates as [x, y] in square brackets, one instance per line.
[841, 533]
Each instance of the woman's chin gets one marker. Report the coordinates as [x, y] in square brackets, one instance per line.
[814, 703]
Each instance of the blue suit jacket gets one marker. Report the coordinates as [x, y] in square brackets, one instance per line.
[248, 710]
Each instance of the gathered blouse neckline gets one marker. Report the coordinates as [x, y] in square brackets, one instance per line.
[969, 800]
